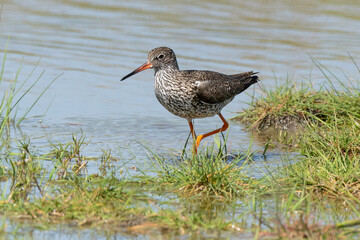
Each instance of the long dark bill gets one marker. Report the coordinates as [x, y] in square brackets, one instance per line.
[139, 69]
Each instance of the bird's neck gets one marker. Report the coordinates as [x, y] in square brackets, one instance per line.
[165, 74]
[168, 70]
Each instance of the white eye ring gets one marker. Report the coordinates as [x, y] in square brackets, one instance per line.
[161, 56]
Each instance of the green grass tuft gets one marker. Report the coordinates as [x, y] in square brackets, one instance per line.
[328, 137]
[208, 173]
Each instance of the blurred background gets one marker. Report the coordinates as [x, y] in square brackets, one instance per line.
[94, 43]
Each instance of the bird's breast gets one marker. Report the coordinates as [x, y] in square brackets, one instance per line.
[171, 90]
[179, 97]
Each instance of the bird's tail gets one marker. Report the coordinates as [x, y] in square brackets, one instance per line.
[247, 78]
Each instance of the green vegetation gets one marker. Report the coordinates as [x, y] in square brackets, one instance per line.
[313, 195]
[12, 96]
[212, 173]
[63, 192]
[289, 105]
[329, 141]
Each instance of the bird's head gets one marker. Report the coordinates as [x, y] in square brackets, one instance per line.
[160, 58]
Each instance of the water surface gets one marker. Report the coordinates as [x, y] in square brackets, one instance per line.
[95, 43]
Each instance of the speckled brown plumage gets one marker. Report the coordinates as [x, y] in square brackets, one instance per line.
[193, 94]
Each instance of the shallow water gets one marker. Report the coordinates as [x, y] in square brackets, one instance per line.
[95, 43]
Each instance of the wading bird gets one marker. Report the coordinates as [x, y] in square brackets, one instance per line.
[193, 94]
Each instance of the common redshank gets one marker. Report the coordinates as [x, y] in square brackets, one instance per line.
[193, 94]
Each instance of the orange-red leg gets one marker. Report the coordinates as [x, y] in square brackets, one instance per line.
[201, 137]
[192, 129]
[193, 134]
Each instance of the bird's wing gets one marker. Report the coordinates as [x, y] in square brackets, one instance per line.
[213, 87]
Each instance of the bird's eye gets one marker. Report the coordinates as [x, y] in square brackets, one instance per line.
[161, 56]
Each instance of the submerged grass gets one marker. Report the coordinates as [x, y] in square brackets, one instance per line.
[60, 193]
[113, 202]
[105, 200]
[35, 194]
